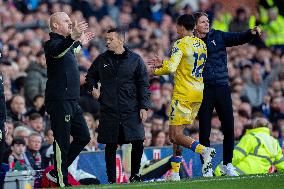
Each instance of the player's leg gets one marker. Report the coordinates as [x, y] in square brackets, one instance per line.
[176, 161]
[183, 113]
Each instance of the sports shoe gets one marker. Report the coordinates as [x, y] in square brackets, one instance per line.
[135, 178]
[207, 155]
[175, 177]
[51, 175]
[228, 170]
[207, 172]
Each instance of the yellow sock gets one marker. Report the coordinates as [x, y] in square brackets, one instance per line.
[175, 167]
[175, 163]
[199, 148]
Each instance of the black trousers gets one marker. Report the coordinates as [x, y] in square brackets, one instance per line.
[2, 130]
[218, 97]
[110, 158]
[2, 120]
[66, 118]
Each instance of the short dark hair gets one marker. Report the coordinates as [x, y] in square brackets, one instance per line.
[37, 96]
[187, 21]
[197, 15]
[119, 31]
[41, 52]
[18, 140]
[35, 116]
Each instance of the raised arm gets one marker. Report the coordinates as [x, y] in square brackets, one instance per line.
[170, 66]
[240, 38]
[57, 48]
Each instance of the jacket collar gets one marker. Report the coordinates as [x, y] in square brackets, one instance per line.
[125, 54]
[258, 130]
[56, 35]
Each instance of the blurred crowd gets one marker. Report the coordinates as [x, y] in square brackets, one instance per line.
[256, 70]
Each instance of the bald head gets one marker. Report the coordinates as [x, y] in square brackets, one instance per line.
[260, 122]
[55, 18]
[60, 23]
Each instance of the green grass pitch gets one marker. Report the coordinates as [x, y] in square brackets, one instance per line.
[264, 181]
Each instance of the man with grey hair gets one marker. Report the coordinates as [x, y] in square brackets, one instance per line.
[22, 132]
[63, 91]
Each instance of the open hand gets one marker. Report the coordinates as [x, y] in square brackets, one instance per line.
[155, 62]
[143, 114]
[86, 37]
[78, 29]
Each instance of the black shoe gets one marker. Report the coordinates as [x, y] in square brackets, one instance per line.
[51, 175]
[135, 178]
[68, 185]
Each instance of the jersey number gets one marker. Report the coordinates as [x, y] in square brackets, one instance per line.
[196, 69]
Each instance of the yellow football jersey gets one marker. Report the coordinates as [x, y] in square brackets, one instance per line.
[187, 61]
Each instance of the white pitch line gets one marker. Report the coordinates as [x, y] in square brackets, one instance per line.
[189, 181]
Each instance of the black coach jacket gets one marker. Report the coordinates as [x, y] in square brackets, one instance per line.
[215, 71]
[124, 91]
[63, 81]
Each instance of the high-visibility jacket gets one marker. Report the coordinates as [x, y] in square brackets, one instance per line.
[256, 152]
[223, 23]
[275, 32]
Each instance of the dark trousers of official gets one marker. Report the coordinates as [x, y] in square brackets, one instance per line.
[2, 131]
[2, 149]
[218, 97]
[110, 158]
[66, 118]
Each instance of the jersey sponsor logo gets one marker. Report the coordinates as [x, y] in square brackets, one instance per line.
[175, 50]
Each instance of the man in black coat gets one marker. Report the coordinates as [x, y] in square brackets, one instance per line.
[2, 130]
[217, 93]
[124, 100]
[63, 91]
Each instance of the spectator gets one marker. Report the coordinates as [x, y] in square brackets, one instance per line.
[147, 126]
[255, 87]
[33, 153]
[46, 146]
[18, 159]
[274, 33]
[90, 121]
[157, 123]
[240, 22]
[159, 138]
[22, 132]
[37, 106]
[148, 139]
[36, 123]
[17, 108]
[36, 78]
